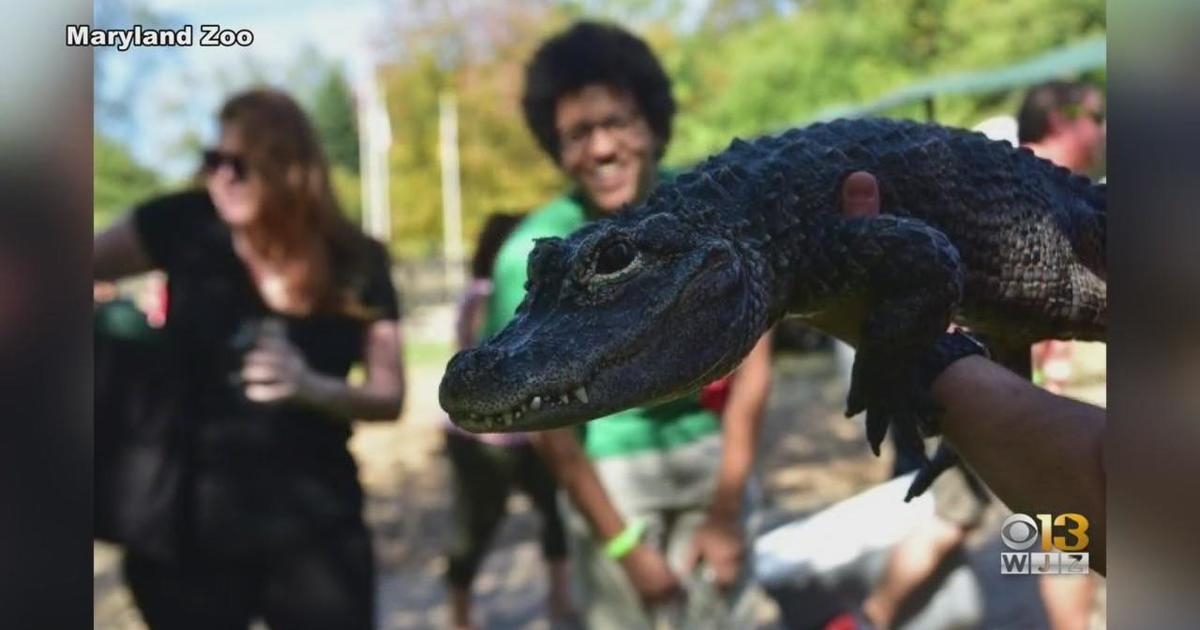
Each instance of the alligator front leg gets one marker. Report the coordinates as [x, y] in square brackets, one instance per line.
[905, 279]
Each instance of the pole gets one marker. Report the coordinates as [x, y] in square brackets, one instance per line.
[451, 191]
[375, 139]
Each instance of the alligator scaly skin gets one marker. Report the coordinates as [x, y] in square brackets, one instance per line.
[972, 231]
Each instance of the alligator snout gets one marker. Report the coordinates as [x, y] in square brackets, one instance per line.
[470, 376]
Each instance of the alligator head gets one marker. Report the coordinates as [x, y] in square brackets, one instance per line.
[625, 312]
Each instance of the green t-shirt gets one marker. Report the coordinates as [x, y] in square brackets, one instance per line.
[634, 430]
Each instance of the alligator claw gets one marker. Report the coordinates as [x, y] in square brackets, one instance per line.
[856, 400]
[944, 458]
[890, 402]
[909, 440]
[877, 426]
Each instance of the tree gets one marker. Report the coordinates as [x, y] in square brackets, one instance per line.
[119, 181]
[772, 72]
[335, 120]
[478, 53]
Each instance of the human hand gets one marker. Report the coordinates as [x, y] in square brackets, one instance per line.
[651, 577]
[719, 543]
[275, 371]
[859, 199]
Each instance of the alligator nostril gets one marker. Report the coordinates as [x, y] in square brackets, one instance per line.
[468, 374]
[473, 361]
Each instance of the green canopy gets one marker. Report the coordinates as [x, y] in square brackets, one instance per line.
[1067, 60]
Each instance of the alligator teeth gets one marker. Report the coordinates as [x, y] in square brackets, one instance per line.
[536, 403]
[581, 394]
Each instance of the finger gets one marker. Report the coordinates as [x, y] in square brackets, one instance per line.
[267, 392]
[860, 195]
[260, 373]
[262, 357]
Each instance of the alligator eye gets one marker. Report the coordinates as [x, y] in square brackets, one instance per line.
[614, 257]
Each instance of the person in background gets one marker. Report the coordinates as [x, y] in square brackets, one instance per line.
[1063, 121]
[654, 493]
[486, 466]
[274, 295]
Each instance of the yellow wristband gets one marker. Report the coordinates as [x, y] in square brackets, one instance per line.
[627, 540]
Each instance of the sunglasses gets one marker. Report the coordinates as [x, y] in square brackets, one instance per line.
[1075, 111]
[215, 159]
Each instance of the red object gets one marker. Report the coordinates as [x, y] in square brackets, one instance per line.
[715, 394]
[844, 621]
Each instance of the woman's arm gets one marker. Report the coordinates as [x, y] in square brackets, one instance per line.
[118, 251]
[275, 371]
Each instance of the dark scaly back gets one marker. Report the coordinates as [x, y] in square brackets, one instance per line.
[1030, 233]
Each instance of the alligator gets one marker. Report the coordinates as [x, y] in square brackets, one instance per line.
[672, 293]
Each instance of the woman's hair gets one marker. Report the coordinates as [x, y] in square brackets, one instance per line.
[299, 221]
[591, 53]
[495, 231]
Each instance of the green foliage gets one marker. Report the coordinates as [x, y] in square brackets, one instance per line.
[347, 188]
[119, 182]
[334, 118]
[775, 71]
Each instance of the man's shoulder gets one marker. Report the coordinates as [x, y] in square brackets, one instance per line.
[558, 217]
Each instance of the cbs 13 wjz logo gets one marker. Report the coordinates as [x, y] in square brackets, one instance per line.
[1063, 549]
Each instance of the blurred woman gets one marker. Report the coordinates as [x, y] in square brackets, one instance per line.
[273, 296]
[486, 466]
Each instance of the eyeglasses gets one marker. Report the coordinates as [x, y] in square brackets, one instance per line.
[578, 136]
[1075, 111]
[214, 159]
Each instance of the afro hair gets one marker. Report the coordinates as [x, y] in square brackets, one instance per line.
[591, 53]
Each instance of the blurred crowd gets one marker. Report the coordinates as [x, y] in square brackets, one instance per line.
[225, 395]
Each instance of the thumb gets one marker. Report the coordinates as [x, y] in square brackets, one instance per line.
[860, 195]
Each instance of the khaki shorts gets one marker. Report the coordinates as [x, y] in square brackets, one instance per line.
[959, 500]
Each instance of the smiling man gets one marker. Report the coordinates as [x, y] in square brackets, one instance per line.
[655, 492]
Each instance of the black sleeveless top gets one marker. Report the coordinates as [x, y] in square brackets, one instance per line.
[260, 478]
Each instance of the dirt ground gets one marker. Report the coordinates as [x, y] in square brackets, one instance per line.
[810, 457]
